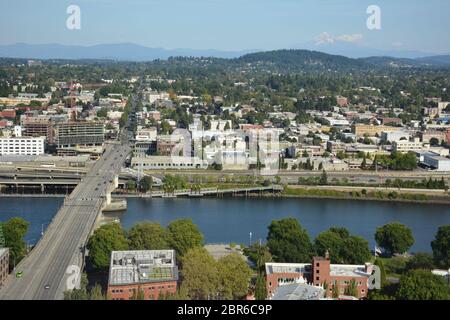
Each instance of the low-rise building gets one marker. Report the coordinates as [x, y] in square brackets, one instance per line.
[407, 146]
[435, 161]
[149, 272]
[319, 273]
[22, 146]
[362, 129]
[167, 162]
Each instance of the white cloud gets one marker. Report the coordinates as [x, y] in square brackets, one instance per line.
[350, 37]
[323, 38]
[326, 38]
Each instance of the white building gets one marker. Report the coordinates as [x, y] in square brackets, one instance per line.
[395, 136]
[22, 146]
[166, 162]
[406, 146]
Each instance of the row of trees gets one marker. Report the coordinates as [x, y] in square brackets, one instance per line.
[180, 235]
[288, 241]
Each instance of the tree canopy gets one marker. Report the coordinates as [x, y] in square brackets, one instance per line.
[147, 236]
[199, 274]
[14, 231]
[107, 238]
[394, 238]
[183, 235]
[422, 285]
[234, 277]
[342, 247]
[288, 241]
[441, 247]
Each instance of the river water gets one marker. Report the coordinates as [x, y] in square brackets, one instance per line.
[228, 220]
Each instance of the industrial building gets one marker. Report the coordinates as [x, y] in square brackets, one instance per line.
[435, 161]
[149, 272]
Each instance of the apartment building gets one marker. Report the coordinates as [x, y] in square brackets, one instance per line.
[24, 146]
[151, 272]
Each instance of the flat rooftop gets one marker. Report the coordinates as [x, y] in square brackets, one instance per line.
[142, 266]
[272, 267]
[342, 270]
[298, 291]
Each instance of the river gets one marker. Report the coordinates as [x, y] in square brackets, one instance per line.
[228, 220]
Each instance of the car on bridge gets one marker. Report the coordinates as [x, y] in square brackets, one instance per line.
[19, 274]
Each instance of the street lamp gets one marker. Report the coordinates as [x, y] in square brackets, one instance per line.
[250, 238]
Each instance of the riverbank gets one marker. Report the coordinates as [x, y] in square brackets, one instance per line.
[368, 194]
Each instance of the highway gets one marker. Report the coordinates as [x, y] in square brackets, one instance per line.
[48, 269]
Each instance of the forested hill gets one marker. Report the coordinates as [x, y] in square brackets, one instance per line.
[298, 60]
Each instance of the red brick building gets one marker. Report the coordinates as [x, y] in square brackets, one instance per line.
[318, 273]
[151, 272]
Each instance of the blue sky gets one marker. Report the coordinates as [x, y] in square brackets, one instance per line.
[230, 24]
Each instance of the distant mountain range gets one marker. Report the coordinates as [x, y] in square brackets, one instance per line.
[121, 51]
[134, 52]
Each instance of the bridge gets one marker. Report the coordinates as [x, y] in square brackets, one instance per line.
[55, 264]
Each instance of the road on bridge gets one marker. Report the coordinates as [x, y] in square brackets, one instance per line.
[49, 267]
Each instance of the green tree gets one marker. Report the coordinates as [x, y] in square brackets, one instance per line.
[14, 231]
[147, 236]
[260, 287]
[183, 235]
[288, 241]
[441, 247]
[200, 279]
[146, 183]
[422, 285]
[394, 237]
[335, 291]
[342, 247]
[96, 293]
[107, 238]
[2, 237]
[323, 178]
[351, 289]
[138, 294]
[420, 260]
[234, 277]
[378, 262]
[102, 113]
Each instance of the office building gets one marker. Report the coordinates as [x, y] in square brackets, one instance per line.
[22, 146]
